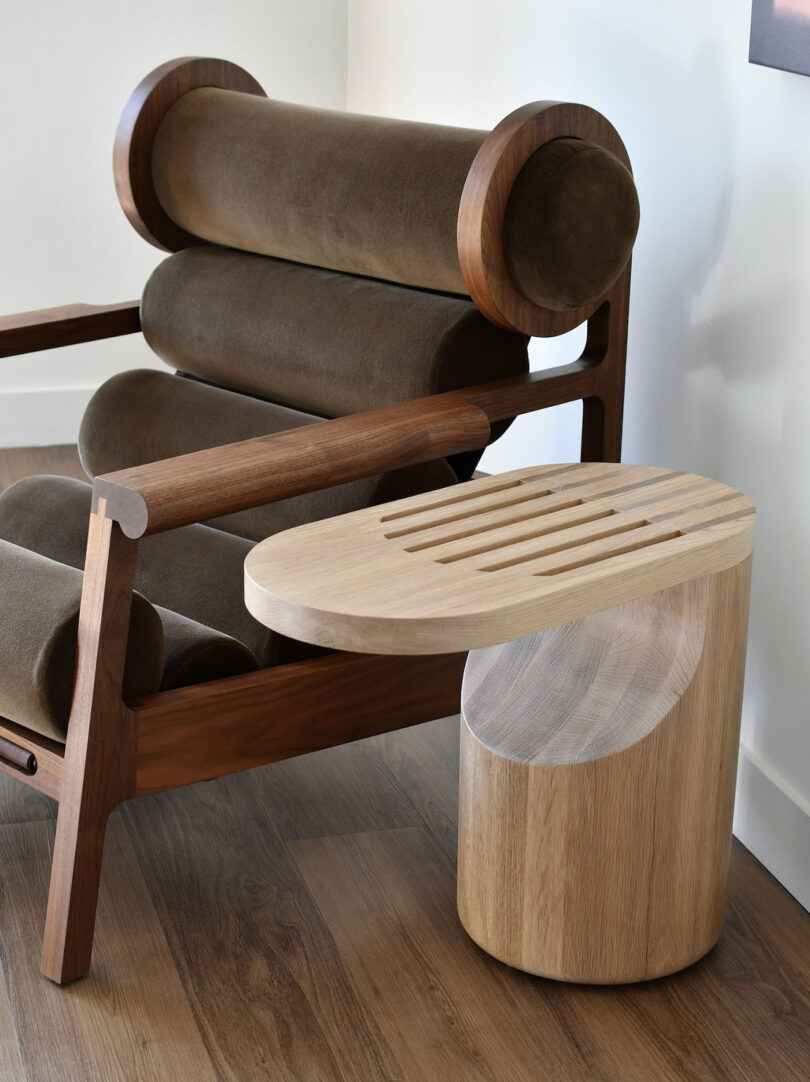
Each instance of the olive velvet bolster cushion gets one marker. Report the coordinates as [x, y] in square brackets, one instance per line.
[40, 594]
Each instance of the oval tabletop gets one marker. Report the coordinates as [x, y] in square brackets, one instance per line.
[495, 559]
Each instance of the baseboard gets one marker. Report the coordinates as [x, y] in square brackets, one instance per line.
[773, 821]
[40, 418]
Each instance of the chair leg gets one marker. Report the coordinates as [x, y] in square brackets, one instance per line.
[99, 770]
[99, 774]
[73, 895]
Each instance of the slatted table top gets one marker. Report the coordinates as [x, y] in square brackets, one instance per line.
[495, 559]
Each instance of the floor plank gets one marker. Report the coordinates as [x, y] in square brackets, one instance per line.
[131, 1020]
[19, 803]
[336, 791]
[11, 1069]
[264, 978]
[389, 900]
[424, 760]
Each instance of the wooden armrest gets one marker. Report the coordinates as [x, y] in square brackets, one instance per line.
[47, 328]
[220, 480]
[164, 495]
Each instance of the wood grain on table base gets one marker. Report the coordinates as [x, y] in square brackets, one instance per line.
[612, 869]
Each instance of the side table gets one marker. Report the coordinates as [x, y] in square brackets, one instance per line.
[606, 610]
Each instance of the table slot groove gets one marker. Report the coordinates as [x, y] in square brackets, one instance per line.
[707, 506]
[717, 521]
[577, 542]
[447, 519]
[647, 482]
[673, 490]
[494, 546]
[466, 497]
[600, 557]
[502, 523]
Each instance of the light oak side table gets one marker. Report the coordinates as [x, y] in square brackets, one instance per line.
[606, 608]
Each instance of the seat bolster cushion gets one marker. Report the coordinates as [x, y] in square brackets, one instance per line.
[370, 195]
[39, 610]
[196, 654]
[142, 416]
[195, 571]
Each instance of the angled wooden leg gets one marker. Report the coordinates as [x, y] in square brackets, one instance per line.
[99, 769]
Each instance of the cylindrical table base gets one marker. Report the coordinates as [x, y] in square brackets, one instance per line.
[598, 763]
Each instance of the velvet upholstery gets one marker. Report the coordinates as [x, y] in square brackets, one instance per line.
[39, 602]
[210, 598]
[195, 653]
[362, 194]
[210, 636]
[323, 342]
[585, 219]
[380, 197]
[186, 415]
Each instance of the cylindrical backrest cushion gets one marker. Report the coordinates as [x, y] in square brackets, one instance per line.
[317, 340]
[355, 193]
[380, 197]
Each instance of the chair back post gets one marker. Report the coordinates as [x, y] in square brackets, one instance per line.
[606, 349]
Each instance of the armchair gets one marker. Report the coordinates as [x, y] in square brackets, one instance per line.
[347, 312]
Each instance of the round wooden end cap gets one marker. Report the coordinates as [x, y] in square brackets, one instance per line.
[135, 135]
[547, 219]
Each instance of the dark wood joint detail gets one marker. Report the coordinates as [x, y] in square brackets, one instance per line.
[31, 758]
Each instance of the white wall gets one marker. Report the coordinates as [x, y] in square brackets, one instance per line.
[719, 357]
[66, 70]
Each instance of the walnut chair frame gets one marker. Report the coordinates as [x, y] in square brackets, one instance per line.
[117, 750]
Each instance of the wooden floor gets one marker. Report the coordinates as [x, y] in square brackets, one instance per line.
[298, 922]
